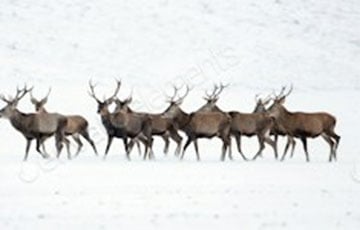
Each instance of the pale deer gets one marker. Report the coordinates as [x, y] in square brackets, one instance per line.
[76, 124]
[243, 124]
[33, 126]
[305, 125]
[200, 124]
[276, 131]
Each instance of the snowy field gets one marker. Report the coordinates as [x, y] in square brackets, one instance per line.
[257, 46]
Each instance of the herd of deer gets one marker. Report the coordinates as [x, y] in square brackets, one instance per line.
[207, 122]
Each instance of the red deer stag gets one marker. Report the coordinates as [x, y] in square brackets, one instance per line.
[201, 124]
[275, 130]
[33, 126]
[76, 124]
[305, 125]
[160, 126]
[123, 125]
[243, 124]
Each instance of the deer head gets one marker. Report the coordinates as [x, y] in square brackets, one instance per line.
[215, 94]
[12, 103]
[123, 105]
[279, 99]
[261, 103]
[174, 107]
[212, 98]
[39, 104]
[103, 104]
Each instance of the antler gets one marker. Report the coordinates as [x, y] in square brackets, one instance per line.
[3, 98]
[220, 89]
[282, 93]
[290, 90]
[92, 92]
[47, 95]
[20, 93]
[266, 100]
[129, 99]
[181, 99]
[256, 98]
[44, 100]
[212, 95]
[176, 90]
[216, 91]
[117, 89]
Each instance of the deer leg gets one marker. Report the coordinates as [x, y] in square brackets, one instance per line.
[28, 144]
[58, 144]
[293, 144]
[290, 141]
[331, 143]
[188, 142]
[134, 141]
[238, 143]
[276, 138]
[131, 144]
[138, 147]
[226, 144]
[127, 149]
[174, 135]
[87, 137]
[40, 143]
[286, 149]
[110, 139]
[262, 146]
[272, 143]
[67, 143]
[304, 142]
[165, 137]
[146, 142]
[196, 150]
[336, 140]
[78, 142]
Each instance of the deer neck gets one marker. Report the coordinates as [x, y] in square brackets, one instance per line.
[284, 117]
[182, 118]
[19, 121]
[42, 110]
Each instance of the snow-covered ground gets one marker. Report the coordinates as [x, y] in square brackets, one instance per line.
[257, 46]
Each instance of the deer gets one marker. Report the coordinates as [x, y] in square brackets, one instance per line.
[76, 125]
[200, 124]
[260, 107]
[160, 126]
[305, 125]
[243, 124]
[33, 126]
[122, 124]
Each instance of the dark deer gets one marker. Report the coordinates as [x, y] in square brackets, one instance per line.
[200, 124]
[305, 125]
[122, 124]
[33, 126]
[160, 126]
[76, 124]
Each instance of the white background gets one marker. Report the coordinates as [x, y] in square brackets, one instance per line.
[257, 46]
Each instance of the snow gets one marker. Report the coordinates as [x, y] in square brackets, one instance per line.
[257, 46]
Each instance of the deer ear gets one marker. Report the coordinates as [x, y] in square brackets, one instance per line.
[44, 101]
[33, 101]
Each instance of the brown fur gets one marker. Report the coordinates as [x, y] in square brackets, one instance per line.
[76, 125]
[306, 125]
